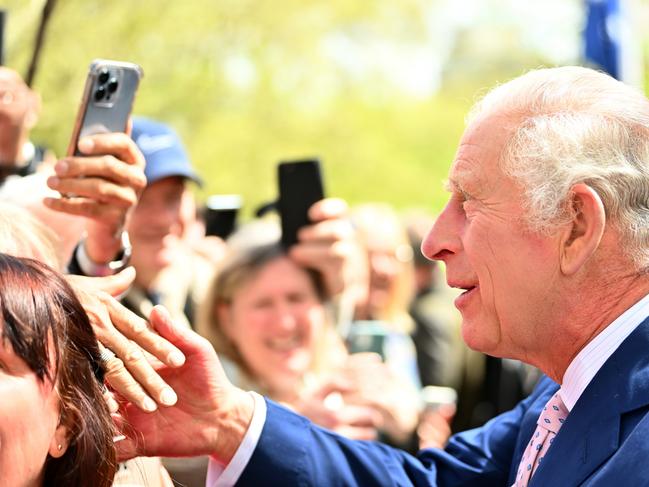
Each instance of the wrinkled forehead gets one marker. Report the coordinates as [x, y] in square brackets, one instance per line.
[477, 160]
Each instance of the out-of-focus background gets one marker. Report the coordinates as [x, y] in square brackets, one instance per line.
[378, 89]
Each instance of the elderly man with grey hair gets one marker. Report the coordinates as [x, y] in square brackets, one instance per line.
[547, 232]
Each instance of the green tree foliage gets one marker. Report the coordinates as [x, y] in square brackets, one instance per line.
[249, 82]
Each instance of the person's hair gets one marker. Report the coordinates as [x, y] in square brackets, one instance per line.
[576, 125]
[47, 327]
[381, 217]
[241, 265]
[21, 234]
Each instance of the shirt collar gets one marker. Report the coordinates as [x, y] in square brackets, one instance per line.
[592, 357]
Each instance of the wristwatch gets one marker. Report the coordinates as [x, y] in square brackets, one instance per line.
[91, 268]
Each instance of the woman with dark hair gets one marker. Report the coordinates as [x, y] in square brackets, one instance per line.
[55, 428]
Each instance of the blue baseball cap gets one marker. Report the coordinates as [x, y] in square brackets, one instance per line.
[163, 151]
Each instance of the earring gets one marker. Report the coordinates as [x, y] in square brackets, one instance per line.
[60, 447]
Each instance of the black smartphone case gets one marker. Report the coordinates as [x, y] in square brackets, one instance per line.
[300, 186]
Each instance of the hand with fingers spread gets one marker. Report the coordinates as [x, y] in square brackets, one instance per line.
[103, 185]
[330, 246]
[124, 337]
[211, 415]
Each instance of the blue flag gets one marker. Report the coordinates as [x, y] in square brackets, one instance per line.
[602, 35]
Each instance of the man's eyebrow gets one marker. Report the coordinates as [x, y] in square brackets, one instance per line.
[452, 185]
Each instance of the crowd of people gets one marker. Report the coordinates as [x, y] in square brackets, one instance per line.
[135, 350]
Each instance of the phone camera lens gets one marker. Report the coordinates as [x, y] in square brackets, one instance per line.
[103, 75]
[100, 93]
[112, 85]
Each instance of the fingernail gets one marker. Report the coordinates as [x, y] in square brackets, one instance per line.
[176, 358]
[168, 397]
[113, 407]
[61, 168]
[162, 311]
[149, 405]
[86, 144]
[53, 181]
[128, 272]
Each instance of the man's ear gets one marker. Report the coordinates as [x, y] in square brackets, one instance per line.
[582, 235]
[60, 441]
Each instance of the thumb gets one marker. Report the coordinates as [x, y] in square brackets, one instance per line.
[116, 284]
[447, 411]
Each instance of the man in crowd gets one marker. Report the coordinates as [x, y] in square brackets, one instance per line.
[164, 264]
[547, 234]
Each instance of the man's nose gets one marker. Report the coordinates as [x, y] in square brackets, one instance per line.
[443, 239]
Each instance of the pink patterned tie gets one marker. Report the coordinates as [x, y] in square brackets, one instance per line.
[550, 421]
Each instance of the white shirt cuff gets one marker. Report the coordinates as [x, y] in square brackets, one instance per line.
[220, 476]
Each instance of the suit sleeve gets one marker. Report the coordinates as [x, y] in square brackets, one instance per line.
[294, 451]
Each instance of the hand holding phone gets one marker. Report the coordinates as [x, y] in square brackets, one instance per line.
[105, 182]
[300, 186]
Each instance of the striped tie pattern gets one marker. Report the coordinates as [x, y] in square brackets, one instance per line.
[547, 426]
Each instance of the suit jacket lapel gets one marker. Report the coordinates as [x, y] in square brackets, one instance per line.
[591, 432]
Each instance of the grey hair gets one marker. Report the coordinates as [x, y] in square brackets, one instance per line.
[23, 235]
[576, 125]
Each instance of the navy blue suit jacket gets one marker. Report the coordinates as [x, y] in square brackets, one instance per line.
[604, 441]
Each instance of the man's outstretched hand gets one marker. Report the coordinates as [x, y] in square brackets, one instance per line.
[211, 416]
[129, 371]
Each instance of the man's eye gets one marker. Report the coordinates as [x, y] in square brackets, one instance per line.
[461, 197]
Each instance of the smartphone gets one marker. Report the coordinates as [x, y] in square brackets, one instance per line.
[300, 185]
[368, 336]
[107, 99]
[221, 212]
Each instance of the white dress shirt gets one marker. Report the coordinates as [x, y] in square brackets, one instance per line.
[592, 357]
[577, 377]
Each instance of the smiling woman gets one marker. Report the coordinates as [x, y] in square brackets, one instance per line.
[55, 428]
[266, 314]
